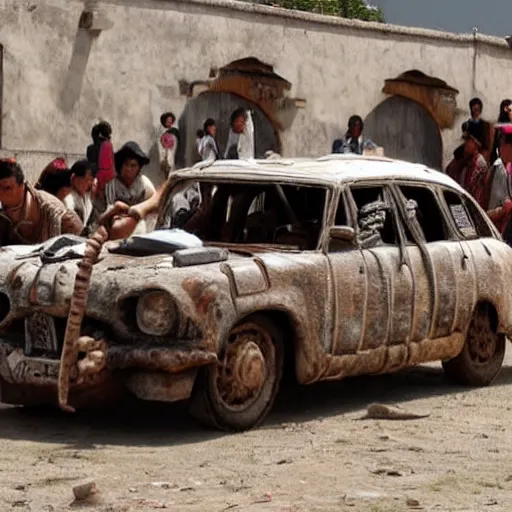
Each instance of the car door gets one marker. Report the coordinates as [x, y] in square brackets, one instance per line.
[442, 265]
[349, 286]
[389, 298]
[373, 287]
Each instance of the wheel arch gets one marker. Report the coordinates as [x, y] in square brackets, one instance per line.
[289, 327]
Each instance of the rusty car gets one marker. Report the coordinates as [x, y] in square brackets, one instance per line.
[332, 267]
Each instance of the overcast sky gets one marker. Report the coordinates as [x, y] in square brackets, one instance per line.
[490, 16]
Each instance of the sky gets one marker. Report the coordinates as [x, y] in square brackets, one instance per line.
[493, 17]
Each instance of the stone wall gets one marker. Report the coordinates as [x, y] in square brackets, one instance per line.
[58, 79]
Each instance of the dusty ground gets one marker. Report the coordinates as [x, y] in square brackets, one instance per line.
[311, 454]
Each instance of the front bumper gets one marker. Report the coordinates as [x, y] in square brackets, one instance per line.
[149, 372]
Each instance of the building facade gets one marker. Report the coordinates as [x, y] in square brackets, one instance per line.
[65, 64]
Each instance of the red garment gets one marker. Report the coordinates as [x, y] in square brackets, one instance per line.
[106, 167]
[475, 180]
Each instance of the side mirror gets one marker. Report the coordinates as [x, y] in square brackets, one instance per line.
[342, 233]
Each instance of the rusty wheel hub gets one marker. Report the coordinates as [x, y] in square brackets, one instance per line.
[242, 372]
[482, 341]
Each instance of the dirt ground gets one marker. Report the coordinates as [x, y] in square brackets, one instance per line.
[312, 454]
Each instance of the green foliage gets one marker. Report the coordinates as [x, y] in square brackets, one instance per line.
[356, 9]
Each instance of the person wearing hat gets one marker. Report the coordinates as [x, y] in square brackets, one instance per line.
[129, 186]
[471, 171]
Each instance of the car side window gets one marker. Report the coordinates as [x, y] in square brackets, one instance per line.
[375, 217]
[482, 226]
[421, 204]
[460, 214]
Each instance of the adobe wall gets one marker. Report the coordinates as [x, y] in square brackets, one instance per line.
[58, 80]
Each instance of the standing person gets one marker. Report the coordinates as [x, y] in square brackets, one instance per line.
[240, 143]
[471, 171]
[100, 155]
[130, 186]
[80, 200]
[168, 143]
[354, 142]
[500, 202]
[208, 147]
[505, 116]
[480, 129]
[30, 216]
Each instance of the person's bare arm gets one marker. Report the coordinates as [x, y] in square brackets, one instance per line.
[121, 220]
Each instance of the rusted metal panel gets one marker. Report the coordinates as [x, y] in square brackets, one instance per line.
[350, 285]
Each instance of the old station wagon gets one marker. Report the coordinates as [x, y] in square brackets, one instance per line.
[339, 266]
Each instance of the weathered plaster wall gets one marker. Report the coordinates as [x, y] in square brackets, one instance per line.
[58, 80]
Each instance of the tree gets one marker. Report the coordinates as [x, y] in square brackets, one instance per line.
[355, 9]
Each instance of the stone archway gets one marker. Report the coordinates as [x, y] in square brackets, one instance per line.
[406, 131]
[219, 106]
[247, 83]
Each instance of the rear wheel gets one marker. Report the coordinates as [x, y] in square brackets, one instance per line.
[238, 392]
[481, 359]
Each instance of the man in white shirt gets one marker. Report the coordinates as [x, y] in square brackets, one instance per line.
[240, 144]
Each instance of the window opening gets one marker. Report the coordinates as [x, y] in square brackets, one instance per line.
[460, 214]
[287, 215]
[422, 204]
[375, 218]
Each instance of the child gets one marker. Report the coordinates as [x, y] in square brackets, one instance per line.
[80, 200]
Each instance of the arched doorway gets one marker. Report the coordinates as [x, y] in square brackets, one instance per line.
[406, 131]
[219, 106]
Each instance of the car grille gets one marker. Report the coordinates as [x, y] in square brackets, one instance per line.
[40, 335]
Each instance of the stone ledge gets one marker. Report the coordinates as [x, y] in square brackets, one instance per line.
[320, 19]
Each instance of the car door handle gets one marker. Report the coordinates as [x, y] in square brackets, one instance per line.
[361, 269]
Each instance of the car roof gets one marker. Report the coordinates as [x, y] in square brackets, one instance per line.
[331, 170]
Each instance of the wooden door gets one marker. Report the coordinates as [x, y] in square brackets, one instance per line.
[406, 131]
[220, 106]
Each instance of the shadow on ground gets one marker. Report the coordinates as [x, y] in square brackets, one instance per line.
[151, 424]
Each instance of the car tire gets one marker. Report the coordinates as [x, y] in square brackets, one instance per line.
[481, 359]
[237, 393]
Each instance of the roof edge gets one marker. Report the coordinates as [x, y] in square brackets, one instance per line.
[334, 21]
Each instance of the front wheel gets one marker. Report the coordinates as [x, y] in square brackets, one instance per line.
[237, 392]
[481, 359]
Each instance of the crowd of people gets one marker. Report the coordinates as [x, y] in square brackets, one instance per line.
[109, 186]
[482, 164]
[106, 185]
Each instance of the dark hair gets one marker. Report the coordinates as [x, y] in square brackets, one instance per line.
[52, 183]
[164, 117]
[504, 117]
[352, 122]
[200, 134]
[80, 168]
[476, 101]
[506, 138]
[239, 112]
[102, 130]
[209, 122]
[131, 150]
[9, 168]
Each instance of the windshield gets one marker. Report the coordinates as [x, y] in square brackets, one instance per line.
[287, 216]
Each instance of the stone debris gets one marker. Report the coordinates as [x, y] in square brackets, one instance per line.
[388, 412]
[85, 491]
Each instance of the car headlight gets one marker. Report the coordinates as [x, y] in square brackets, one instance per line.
[156, 313]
